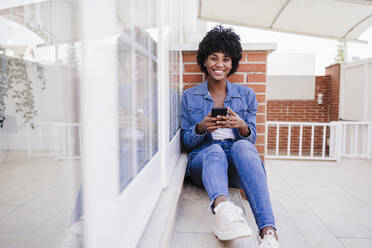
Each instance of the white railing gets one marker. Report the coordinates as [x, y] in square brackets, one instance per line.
[318, 141]
[301, 151]
[57, 139]
[355, 139]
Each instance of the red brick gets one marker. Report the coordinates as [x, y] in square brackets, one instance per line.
[260, 139]
[189, 57]
[193, 78]
[187, 86]
[261, 109]
[256, 78]
[260, 119]
[260, 129]
[254, 56]
[252, 68]
[261, 98]
[258, 88]
[192, 68]
[260, 149]
[236, 78]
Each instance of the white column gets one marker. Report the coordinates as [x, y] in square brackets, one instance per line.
[100, 132]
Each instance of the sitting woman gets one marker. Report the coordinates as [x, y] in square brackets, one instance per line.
[222, 148]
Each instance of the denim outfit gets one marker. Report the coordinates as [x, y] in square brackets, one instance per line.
[217, 164]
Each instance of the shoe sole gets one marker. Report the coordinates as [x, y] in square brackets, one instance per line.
[234, 234]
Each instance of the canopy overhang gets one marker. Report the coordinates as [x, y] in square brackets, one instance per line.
[343, 20]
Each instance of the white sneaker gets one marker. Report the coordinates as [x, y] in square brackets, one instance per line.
[268, 241]
[229, 223]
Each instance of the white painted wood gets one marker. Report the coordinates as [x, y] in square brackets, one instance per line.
[289, 141]
[100, 158]
[356, 137]
[300, 143]
[366, 92]
[163, 92]
[369, 140]
[312, 142]
[277, 140]
[324, 140]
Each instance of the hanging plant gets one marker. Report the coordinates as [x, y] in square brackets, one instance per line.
[18, 86]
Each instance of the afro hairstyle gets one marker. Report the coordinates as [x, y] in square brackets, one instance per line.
[220, 39]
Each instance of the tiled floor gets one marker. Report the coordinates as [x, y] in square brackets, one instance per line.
[36, 201]
[316, 204]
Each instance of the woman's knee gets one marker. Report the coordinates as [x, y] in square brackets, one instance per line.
[215, 156]
[215, 150]
[244, 147]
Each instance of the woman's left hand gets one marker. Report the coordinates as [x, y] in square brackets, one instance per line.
[231, 121]
[234, 121]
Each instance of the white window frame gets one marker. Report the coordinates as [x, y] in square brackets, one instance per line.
[113, 218]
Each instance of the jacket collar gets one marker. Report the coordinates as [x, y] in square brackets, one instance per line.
[232, 91]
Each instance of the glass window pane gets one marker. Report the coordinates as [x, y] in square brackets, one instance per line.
[174, 69]
[137, 87]
[40, 121]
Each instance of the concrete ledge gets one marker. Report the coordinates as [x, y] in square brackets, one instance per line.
[158, 232]
[194, 222]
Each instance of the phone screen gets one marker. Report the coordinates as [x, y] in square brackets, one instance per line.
[219, 111]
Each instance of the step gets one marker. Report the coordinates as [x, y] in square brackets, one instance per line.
[193, 227]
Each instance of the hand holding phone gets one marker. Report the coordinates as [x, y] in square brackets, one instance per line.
[219, 111]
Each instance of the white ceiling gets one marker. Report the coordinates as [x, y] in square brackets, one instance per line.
[333, 19]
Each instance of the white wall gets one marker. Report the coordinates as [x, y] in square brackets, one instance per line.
[356, 91]
[57, 103]
[290, 87]
[299, 64]
[290, 76]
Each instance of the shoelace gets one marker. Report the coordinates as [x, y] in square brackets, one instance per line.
[269, 240]
[231, 212]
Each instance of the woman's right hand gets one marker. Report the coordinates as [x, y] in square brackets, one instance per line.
[208, 124]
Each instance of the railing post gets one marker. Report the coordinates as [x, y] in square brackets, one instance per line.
[277, 140]
[289, 141]
[312, 141]
[300, 143]
[369, 141]
[324, 140]
[338, 142]
[356, 139]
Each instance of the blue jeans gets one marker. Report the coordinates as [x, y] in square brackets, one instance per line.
[236, 164]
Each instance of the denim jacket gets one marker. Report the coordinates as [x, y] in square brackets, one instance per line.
[197, 103]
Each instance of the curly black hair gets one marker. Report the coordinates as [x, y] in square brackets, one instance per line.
[220, 39]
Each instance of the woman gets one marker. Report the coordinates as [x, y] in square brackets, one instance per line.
[222, 148]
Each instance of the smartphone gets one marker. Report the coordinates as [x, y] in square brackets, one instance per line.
[219, 111]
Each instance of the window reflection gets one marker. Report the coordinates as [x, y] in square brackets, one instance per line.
[137, 77]
[39, 103]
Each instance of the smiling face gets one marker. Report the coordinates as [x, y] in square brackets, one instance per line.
[218, 66]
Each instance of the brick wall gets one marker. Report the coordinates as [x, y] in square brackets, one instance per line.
[301, 111]
[251, 72]
[334, 72]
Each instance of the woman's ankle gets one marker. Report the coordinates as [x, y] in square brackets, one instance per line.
[218, 200]
[264, 231]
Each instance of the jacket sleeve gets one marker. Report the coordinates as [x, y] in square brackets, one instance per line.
[250, 117]
[190, 138]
